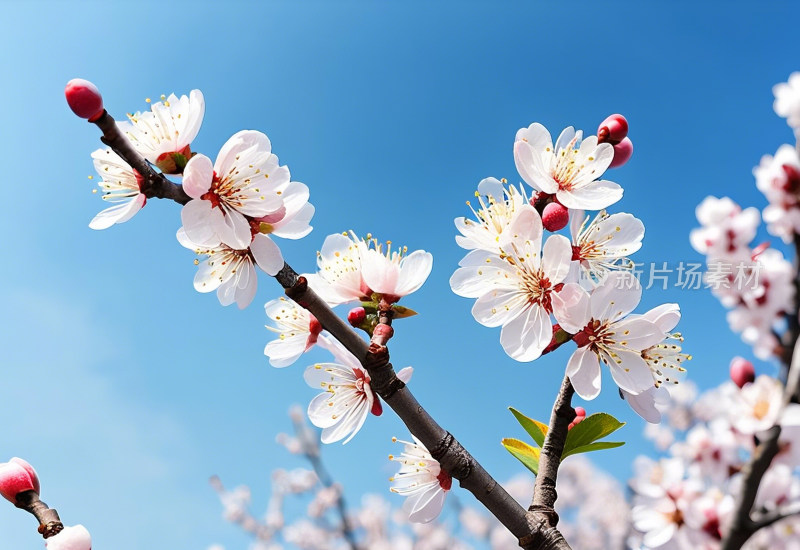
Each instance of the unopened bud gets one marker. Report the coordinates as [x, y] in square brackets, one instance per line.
[580, 412]
[84, 99]
[612, 130]
[622, 153]
[555, 216]
[742, 371]
[17, 476]
[71, 538]
[384, 331]
[356, 316]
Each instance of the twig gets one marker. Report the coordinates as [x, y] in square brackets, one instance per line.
[49, 522]
[768, 518]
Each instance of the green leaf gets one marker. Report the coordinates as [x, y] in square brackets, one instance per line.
[400, 312]
[535, 429]
[529, 456]
[596, 446]
[592, 428]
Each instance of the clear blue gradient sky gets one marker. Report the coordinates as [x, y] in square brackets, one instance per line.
[127, 389]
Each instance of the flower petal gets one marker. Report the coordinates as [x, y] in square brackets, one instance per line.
[197, 176]
[267, 254]
[583, 370]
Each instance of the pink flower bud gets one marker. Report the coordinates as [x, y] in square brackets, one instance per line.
[17, 476]
[580, 412]
[622, 153]
[84, 99]
[71, 538]
[612, 130]
[356, 316]
[555, 216]
[384, 331]
[742, 371]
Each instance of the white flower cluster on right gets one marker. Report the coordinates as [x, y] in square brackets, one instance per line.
[522, 279]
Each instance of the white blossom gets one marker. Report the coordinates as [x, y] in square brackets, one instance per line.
[120, 186]
[569, 170]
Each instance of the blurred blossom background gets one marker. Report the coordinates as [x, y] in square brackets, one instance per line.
[127, 389]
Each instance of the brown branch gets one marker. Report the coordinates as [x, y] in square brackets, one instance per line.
[544, 492]
[533, 527]
[49, 522]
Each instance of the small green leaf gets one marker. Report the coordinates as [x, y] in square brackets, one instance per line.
[596, 446]
[401, 312]
[529, 456]
[592, 428]
[535, 429]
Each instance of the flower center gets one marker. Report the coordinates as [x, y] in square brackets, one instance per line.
[594, 334]
[565, 171]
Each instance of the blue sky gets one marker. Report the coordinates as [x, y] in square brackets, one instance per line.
[127, 389]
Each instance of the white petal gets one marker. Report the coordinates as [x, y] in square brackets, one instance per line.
[525, 337]
[196, 216]
[197, 176]
[118, 213]
[405, 374]
[247, 285]
[619, 294]
[233, 229]
[414, 271]
[556, 258]
[583, 370]
[636, 333]
[498, 307]
[267, 254]
[594, 196]
[644, 404]
[632, 373]
[665, 316]
[237, 143]
[425, 506]
[571, 308]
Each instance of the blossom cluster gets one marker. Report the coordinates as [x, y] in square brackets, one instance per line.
[758, 307]
[522, 280]
[236, 203]
[685, 500]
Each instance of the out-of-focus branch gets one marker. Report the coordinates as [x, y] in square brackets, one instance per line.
[767, 519]
[310, 447]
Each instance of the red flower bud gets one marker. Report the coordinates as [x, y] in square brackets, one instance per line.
[17, 476]
[356, 316]
[612, 130]
[385, 331]
[555, 216]
[742, 371]
[622, 153]
[84, 99]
